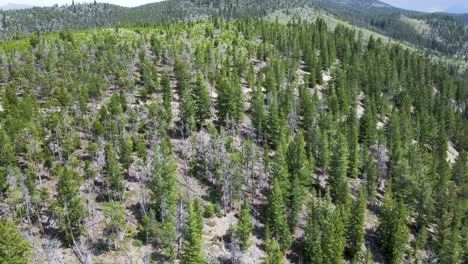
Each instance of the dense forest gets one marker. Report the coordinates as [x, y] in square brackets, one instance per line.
[442, 33]
[227, 141]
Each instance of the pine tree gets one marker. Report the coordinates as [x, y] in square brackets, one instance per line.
[370, 173]
[323, 153]
[13, 248]
[277, 219]
[274, 254]
[163, 183]
[244, 226]
[257, 103]
[202, 100]
[392, 228]
[71, 209]
[187, 110]
[230, 100]
[280, 171]
[113, 173]
[313, 235]
[273, 129]
[338, 170]
[297, 159]
[353, 134]
[356, 225]
[367, 125]
[126, 151]
[192, 245]
[167, 96]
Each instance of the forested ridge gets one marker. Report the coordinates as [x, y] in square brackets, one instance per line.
[228, 141]
[438, 32]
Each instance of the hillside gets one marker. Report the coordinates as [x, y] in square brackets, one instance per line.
[444, 33]
[227, 141]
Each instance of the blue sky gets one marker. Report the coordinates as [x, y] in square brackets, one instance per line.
[460, 6]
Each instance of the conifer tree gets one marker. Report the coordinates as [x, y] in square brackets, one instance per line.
[338, 170]
[356, 231]
[113, 173]
[367, 125]
[392, 228]
[71, 209]
[163, 183]
[230, 100]
[192, 245]
[313, 234]
[126, 151]
[202, 100]
[280, 171]
[244, 226]
[187, 110]
[13, 248]
[257, 103]
[277, 219]
[369, 169]
[167, 96]
[323, 153]
[273, 130]
[353, 134]
[274, 254]
[297, 159]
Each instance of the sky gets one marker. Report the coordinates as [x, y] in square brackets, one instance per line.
[455, 6]
[458, 6]
[62, 2]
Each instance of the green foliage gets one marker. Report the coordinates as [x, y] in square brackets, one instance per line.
[244, 226]
[192, 253]
[338, 182]
[13, 248]
[392, 228]
[277, 219]
[356, 226]
[113, 172]
[230, 103]
[202, 100]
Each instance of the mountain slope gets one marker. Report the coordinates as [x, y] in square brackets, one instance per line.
[444, 33]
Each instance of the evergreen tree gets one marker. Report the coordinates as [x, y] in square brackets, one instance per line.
[338, 170]
[392, 228]
[115, 178]
[274, 254]
[13, 248]
[323, 153]
[202, 100]
[167, 96]
[273, 128]
[369, 169]
[277, 219]
[244, 226]
[257, 103]
[126, 151]
[353, 134]
[368, 124]
[230, 100]
[313, 235]
[192, 245]
[71, 209]
[356, 225]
